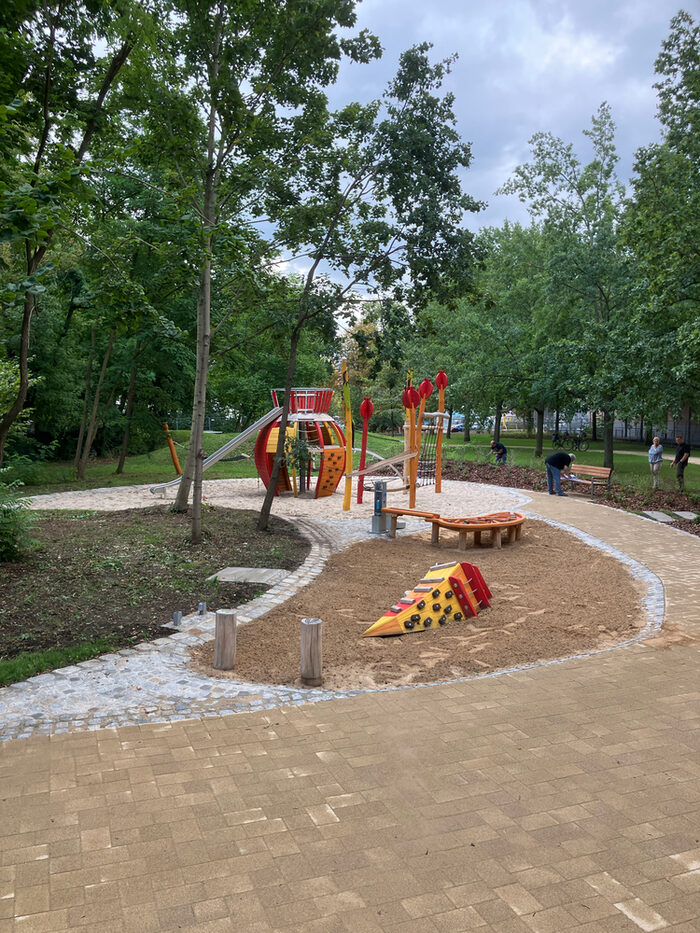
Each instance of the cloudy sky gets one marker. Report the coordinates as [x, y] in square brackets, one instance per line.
[525, 66]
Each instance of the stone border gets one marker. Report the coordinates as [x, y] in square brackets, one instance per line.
[60, 701]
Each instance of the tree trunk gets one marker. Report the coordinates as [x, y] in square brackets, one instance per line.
[13, 412]
[128, 415]
[197, 499]
[497, 426]
[448, 434]
[594, 426]
[92, 427]
[204, 298]
[539, 443]
[608, 424]
[86, 398]
[530, 425]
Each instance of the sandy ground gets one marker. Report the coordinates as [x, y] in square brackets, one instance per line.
[456, 500]
[553, 595]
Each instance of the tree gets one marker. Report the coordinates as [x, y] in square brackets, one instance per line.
[56, 92]
[234, 87]
[380, 204]
[588, 278]
[663, 230]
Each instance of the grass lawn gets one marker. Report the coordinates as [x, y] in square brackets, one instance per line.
[631, 465]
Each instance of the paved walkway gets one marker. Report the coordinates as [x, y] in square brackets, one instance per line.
[561, 797]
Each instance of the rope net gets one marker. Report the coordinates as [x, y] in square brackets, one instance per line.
[427, 455]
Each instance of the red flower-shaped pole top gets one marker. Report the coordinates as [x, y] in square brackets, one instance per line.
[366, 408]
[425, 389]
[441, 379]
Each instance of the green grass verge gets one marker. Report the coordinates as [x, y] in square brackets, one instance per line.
[157, 467]
[29, 663]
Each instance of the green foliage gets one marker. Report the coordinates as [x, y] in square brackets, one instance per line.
[16, 521]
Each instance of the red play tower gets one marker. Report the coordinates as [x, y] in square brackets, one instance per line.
[310, 423]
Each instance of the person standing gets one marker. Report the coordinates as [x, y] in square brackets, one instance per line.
[558, 463]
[681, 461]
[501, 452]
[655, 461]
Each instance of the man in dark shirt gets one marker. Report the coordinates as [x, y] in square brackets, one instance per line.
[681, 461]
[556, 463]
[500, 451]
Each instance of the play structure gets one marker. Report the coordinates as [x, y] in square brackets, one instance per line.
[317, 453]
[315, 444]
[448, 592]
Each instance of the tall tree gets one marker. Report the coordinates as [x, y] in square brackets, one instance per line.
[381, 204]
[56, 91]
[581, 208]
[663, 230]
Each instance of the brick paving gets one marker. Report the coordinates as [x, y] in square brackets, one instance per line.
[561, 797]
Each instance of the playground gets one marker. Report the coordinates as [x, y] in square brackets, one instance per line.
[553, 596]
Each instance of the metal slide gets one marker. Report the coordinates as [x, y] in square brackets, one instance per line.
[230, 445]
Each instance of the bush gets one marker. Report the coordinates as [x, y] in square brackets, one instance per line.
[16, 521]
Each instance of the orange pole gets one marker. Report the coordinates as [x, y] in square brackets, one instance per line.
[173, 452]
[441, 382]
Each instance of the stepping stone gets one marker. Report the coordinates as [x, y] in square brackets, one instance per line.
[660, 517]
[250, 575]
[688, 516]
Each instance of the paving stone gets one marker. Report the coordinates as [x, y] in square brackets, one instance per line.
[660, 516]
[687, 516]
[249, 575]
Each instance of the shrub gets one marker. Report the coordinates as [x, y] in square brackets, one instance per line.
[16, 521]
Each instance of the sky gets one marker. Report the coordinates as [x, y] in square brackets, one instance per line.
[526, 66]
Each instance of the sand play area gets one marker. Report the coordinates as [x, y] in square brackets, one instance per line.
[553, 595]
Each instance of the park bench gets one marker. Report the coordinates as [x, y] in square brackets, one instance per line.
[588, 477]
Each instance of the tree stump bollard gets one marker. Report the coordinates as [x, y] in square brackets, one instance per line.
[311, 653]
[225, 640]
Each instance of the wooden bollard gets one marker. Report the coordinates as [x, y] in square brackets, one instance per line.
[311, 653]
[225, 640]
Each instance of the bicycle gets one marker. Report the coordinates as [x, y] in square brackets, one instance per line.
[559, 440]
[576, 442]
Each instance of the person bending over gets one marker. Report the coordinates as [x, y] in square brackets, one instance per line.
[558, 463]
[500, 451]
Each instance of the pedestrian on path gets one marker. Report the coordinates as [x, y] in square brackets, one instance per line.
[500, 450]
[681, 461]
[655, 460]
[558, 463]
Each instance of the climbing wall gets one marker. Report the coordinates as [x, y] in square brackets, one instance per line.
[448, 592]
[330, 471]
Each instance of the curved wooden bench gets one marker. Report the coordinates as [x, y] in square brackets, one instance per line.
[395, 513]
[495, 523]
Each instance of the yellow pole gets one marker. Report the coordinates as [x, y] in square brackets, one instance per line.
[348, 437]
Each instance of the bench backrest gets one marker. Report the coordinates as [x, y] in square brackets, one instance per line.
[601, 472]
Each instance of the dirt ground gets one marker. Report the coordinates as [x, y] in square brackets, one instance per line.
[553, 596]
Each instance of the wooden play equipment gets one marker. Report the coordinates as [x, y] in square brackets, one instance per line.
[597, 476]
[308, 424]
[448, 592]
[422, 455]
[173, 452]
[496, 523]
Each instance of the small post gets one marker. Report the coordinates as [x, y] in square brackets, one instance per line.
[311, 653]
[177, 617]
[202, 609]
[225, 640]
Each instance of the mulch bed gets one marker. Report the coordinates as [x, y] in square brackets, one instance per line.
[121, 575]
[621, 497]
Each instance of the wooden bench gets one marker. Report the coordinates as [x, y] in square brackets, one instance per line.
[395, 513]
[597, 476]
[496, 523]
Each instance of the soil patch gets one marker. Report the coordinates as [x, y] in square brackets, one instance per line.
[620, 497]
[120, 576]
[553, 596]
